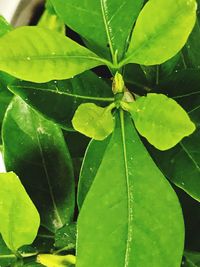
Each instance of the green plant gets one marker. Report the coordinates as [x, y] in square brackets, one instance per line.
[128, 213]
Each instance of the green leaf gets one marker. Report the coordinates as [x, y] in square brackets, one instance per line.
[159, 72]
[93, 121]
[7, 258]
[192, 259]
[58, 100]
[154, 41]
[5, 94]
[42, 55]
[182, 163]
[95, 150]
[5, 27]
[51, 21]
[17, 211]
[65, 238]
[44, 159]
[190, 53]
[161, 120]
[49, 7]
[112, 22]
[136, 222]
[57, 261]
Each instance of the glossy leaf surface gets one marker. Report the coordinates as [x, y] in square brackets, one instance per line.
[43, 164]
[134, 217]
[156, 40]
[16, 211]
[161, 120]
[58, 100]
[95, 150]
[5, 94]
[112, 22]
[42, 55]
[65, 237]
[93, 121]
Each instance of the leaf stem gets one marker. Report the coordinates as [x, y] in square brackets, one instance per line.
[66, 248]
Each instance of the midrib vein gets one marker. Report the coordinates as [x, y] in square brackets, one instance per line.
[46, 57]
[129, 235]
[47, 177]
[191, 263]
[151, 38]
[103, 10]
[108, 99]
[7, 256]
[190, 156]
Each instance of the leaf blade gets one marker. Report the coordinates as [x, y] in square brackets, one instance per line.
[17, 211]
[93, 121]
[161, 120]
[44, 152]
[95, 149]
[115, 230]
[155, 41]
[58, 100]
[106, 17]
[181, 165]
[48, 54]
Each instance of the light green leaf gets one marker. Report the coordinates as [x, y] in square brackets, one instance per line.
[112, 22]
[40, 55]
[161, 120]
[19, 218]
[95, 149]
[134, 215]
[93, 121]
[156, 40]
[5, 94]
[56, 261]
[44, 164]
